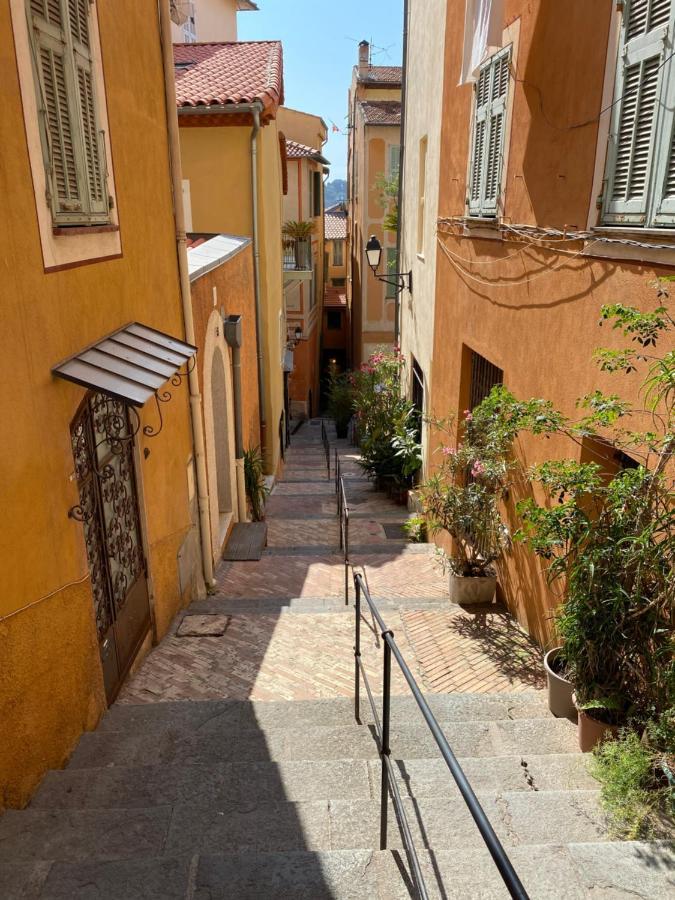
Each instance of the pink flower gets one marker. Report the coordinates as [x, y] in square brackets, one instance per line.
[468, 415]
[449, 451]
[477, 468]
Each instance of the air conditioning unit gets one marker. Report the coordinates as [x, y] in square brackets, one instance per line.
[180, 11]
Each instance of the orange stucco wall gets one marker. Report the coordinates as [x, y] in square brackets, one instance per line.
[531, 310]
[50, 675]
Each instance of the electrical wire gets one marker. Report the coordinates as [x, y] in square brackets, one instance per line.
[58, 590]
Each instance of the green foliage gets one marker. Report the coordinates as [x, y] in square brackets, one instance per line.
[340, 398]
[297, 231]
[385, 419]
[462, 496]
[633, 772]
[416, 529]
[388, 188]
[254, 479]
[611, 538]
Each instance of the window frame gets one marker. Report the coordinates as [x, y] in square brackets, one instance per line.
[87, 139]
[338, 258]
[482, 207]
[648, 211]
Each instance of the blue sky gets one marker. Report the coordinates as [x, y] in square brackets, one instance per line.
[320, 47]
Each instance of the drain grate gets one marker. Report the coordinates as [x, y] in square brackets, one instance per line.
[203, 626]
[394, 531]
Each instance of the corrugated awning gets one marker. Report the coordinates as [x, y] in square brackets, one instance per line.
[131, 364]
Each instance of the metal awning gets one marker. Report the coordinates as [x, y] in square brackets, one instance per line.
[131, 364]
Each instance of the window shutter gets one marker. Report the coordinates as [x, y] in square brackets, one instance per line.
[633, 136]
[394, 159]
[666, 211]
[487, 152]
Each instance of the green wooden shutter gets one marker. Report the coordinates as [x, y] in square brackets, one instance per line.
[636, 121]
[487, 152]
[93, 168]
[394, 160]
[666, 211]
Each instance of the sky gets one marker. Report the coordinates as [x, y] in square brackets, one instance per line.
[320, 41]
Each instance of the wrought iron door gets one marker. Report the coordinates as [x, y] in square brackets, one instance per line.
[102, 441]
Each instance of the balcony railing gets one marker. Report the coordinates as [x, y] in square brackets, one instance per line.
[297, 255]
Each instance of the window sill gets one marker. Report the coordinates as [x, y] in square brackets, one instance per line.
[605, 243]
[482, 227]
[69, 230]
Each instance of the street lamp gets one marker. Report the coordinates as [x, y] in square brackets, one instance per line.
[374, 255]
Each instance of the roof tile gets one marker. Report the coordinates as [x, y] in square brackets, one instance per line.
[335, 226]
[381, 112]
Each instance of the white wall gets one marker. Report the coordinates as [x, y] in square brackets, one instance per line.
[424, 94]
[215, 20]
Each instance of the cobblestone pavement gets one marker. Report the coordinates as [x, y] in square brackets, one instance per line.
[290, 635]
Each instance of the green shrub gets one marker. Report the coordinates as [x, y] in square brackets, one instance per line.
[254, 479]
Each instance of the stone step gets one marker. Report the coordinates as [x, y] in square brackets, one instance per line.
[230, 714]
[219, 604]
[215, 743]
[560, 872]
[134, 787]
[438, 823]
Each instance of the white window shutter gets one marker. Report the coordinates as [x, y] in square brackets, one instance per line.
[666, 211]
[633, 155]
[487, 152]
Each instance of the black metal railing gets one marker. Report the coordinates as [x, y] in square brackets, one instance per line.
[326, 446]
[297, 254]
[343, 513]
[389, 785]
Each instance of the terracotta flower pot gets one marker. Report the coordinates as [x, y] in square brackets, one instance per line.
[591, 732]
[560, 690]
[467, 591]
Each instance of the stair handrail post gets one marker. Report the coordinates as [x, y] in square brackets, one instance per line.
[357, 651]
[346, 518]
[385, 749]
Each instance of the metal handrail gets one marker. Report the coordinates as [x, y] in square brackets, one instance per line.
[343, 513]
[388, 783]
[326, 446]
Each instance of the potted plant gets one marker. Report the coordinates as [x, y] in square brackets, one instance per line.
[462, 497]
[610, 538]
[254, 480]
[298, 235]
[340, 401]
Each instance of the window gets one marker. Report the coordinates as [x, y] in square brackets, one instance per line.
[316, 193]
[72, 143]
[640, 175]
[190, 27]
[417, 397]
[333, 319]
[338, 253]
[484, 376]
[421, 187]
[391, 268]
[489, 126]
[394, 160]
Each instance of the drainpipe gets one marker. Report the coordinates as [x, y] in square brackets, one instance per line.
[401, 159]
[233, 109]
[186, 296]
[232, 328]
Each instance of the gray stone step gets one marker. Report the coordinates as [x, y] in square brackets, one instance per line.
[218, 603]
[560, 872]
[438, 823]
[134, 787]
[216, 744]
[229, 714]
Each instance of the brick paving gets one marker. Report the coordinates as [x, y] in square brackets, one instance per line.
[290, 636]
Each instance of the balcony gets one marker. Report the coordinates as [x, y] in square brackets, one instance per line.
[297, 259]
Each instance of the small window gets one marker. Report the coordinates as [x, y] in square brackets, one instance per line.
[333, 319]
[190, 27]
[484, 376]
[489, 126]
[72, 142]
[640, 176]
[417, 397]
[338, 253]
[391, 268]
[421, 188]
[394, 160]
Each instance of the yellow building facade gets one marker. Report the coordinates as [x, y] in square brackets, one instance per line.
[99, 543]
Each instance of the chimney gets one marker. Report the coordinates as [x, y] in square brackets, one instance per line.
[364, 59]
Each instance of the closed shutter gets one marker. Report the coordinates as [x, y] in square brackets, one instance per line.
[394, 160]
[666, 212]
[634, 145]
[72, 147]
[487, 152]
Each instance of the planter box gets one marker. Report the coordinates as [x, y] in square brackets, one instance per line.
[467, 591]
[560, 690]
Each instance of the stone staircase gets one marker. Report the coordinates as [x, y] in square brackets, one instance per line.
[227, 799]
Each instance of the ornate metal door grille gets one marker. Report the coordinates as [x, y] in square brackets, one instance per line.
[102, 442]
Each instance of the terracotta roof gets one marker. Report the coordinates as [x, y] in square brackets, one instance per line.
[381, 112]
[383, 75]
[296, 150]
[335, 226]
[230, 73]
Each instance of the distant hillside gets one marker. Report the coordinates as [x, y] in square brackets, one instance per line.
[335, 191]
